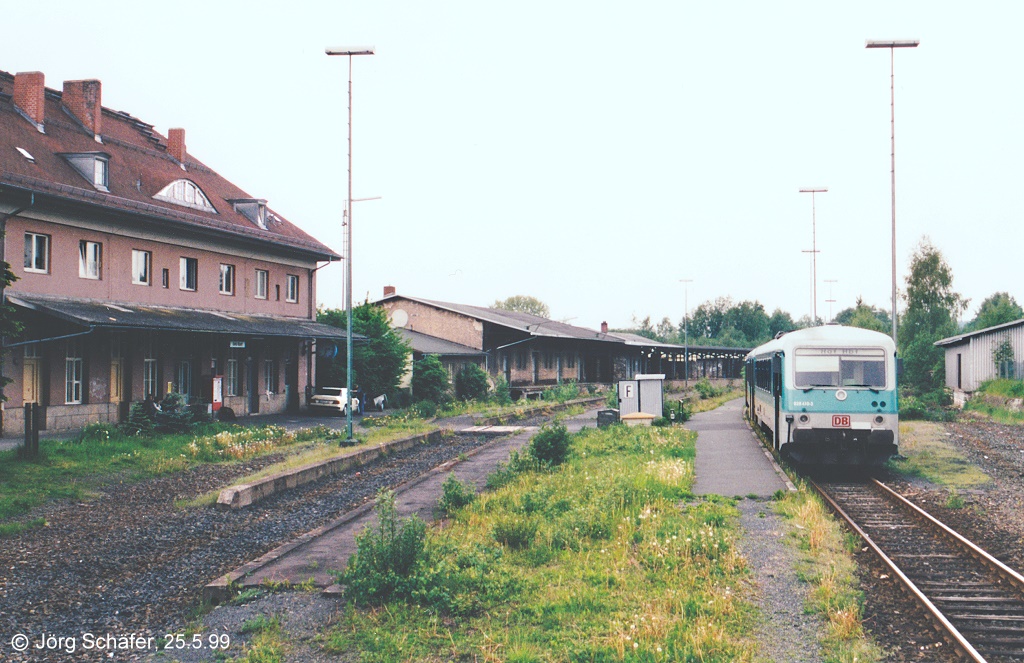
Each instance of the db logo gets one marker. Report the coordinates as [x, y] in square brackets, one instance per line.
[840, 421]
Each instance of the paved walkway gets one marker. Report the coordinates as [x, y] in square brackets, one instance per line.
[335, 543]
[731, 461]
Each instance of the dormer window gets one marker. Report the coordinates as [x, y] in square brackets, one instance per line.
[93, 166]
[187, 194]
[254, 209]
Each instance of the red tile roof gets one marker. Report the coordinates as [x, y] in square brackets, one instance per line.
[139, 167]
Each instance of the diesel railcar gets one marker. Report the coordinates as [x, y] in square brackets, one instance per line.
[826, 395]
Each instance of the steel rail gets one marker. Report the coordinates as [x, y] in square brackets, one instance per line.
[1005, 572]
[936, 615]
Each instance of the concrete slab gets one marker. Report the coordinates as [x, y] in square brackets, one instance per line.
[731, 461]
[328, 548]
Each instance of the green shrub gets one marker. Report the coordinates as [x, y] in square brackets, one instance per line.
[566, 391]
[661, 422]
[455, 494]
[506, 473]
[706, 389]
[515, 531]
[138, 423]
[386, 556]
[502, 394]
[97, 431]
[611, 399]
[471, 383]
[430, 381]
[551, 445]
[425, 409]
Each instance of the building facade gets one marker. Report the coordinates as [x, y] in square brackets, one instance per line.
[970, 359]
[140, 270]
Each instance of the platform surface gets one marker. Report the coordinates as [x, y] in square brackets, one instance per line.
[731, 461]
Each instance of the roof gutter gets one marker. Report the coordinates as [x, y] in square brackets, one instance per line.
[90, 330]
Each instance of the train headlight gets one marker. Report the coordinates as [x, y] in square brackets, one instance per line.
[879, 419]
[804, 418]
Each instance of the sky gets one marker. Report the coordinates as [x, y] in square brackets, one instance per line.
[590, 154]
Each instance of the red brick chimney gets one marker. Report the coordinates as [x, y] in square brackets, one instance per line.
[176, 144]
[604, 327]
[29, 95]
[82, 99]
[389, 290]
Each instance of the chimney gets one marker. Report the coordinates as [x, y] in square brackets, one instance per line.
[29, 95]
[604, 327]
[176, 144]
[389, 290]
[82, 99]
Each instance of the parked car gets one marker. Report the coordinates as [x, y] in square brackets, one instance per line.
[332, 399]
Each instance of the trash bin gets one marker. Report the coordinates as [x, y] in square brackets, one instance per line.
[607, 417]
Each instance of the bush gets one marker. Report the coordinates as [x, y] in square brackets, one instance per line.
[425, 409]
[551, 445]
[930, 406]
[138, 424]
[502, 394]
[515, 531]
[471, 383]
[566, 391]
[97, 431]
[455, 494]
[430, 381]
[386, 556]
[706, 389]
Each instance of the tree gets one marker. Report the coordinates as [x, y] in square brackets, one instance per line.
[780, 321]
[709, 319]
[667, 331]
[430, 380]
[471, 383]
[865, 317]
[377, 364]
[750, 320]
[1003, 357]
[524, 304]
[931, 314]
[9, 325]
[996, 310]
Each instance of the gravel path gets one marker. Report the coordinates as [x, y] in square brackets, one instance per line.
[130, 562]
[785, 633]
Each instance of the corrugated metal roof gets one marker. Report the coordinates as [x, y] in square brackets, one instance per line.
[123, 315]
[954, 340]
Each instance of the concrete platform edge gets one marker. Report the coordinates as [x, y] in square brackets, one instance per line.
[223, 587]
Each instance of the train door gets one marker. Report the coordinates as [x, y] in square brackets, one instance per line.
[777, 397]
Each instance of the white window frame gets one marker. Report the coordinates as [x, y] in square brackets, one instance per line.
[231, 378]
[100, 173]
[90, 259]
[188, 274]
[262, 283]
[74, 377]
[185, 379]
[142, 267]
[150, 385]
[291, 291]
[227, 279]
[270, 376]
[33, 243]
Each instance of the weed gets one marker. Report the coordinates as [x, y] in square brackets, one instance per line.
[259, 623]
[551, 445]
[455, 494]
[955, 501]
[516, 532]
[385, 555]
[246, 596]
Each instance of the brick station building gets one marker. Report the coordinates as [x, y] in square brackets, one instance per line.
[140, 269]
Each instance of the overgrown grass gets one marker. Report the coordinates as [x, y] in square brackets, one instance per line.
[994, 399]
[714, 402]
[598, 559]
[77, 468]
[929, 455]
[827, 565]
[268, 643]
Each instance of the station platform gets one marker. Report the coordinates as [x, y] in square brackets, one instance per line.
[731, 461]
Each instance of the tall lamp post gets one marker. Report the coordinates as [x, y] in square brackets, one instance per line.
[814, 249]
[349, 51]
[686, 330]
[892, 46]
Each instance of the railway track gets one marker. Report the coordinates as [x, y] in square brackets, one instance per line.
[972, 598]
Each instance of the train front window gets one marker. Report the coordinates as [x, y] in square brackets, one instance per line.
[839, 367]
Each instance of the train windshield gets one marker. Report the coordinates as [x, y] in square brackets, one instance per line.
[839, 367]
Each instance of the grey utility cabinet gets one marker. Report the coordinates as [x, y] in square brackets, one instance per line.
[642, 394]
